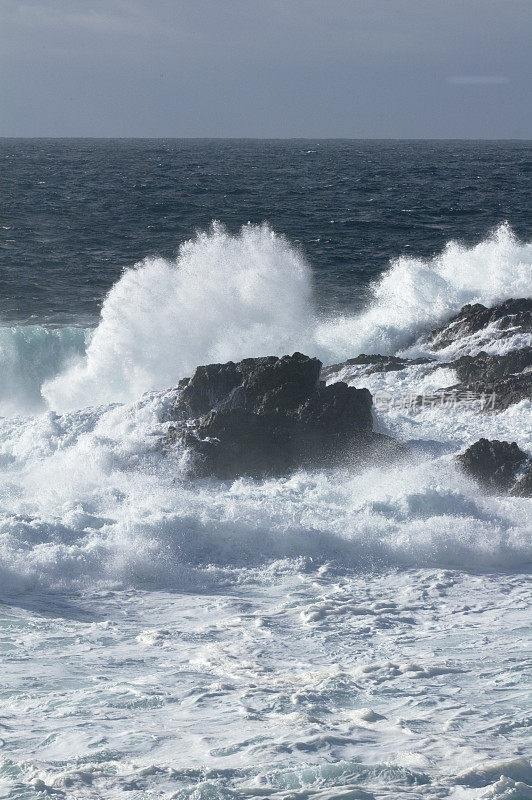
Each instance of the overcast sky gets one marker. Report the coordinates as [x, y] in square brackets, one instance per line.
[266, 68]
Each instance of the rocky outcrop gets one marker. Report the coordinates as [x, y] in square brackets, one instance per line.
[498, 466]
[506, 379]
[511, 316]
[496, 381]
[491, 368]
[499, 395]
[370, 364]
[269, 416]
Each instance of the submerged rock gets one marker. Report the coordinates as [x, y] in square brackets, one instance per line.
[499, 466]
[270, 416]
[511, 316]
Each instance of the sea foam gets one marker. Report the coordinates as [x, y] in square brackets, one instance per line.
[88, 498]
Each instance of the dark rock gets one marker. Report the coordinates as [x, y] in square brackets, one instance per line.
[499, 395]
[501, 380]
[374, 363]
[205, 389]
[491, 368]
[337, 408]
[257, 384]
[236, 442]
[510, 315]
[499, 466]
[270, 416]
[497, 381]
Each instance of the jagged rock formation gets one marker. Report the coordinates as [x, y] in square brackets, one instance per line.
[506, 379]
[498, 466]
[268, 416]
[374, 363]
[512, 315]
[498, 381]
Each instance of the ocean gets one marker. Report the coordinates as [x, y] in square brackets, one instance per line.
[360, 634]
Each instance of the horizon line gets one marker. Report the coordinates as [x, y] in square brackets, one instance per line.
[285, 138]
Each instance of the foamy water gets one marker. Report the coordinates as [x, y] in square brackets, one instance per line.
[331, 634]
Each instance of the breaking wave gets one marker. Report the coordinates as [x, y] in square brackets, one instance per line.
[236, 296]
[225, 297]
[30, 355]
[414, 295]
[87, 497]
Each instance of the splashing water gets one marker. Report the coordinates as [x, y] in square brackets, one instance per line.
[225, 297]
[415, 295]
[29, 356]
[231, 297]
[399, 591]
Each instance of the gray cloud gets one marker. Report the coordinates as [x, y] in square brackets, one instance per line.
[353, 68]
[478, 80]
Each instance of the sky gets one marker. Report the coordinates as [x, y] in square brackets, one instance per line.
[266, 68]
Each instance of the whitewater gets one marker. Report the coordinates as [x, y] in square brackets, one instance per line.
[331, 634]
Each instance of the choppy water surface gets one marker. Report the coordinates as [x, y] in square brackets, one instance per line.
[77, 212]
[333, 634]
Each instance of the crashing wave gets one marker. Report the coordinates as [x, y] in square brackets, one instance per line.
[232, 297]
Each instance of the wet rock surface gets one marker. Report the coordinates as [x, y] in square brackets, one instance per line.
[505, 379]
[497, 381]
[270, 416]
[265, 416]
[498, 395]
[492, 368]
[514, 314]
[371, 364]
[498, 466]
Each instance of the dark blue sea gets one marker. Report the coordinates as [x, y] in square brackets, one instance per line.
[76, 212]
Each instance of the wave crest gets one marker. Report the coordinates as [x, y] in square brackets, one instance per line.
[225, 297]
[228, 297]
[415, 295]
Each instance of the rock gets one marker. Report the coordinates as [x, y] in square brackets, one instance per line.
[500, 395]
[490, 368]
[499, 466]
[502, 380]
[374, 363]
[512, 315]
[234, 442]
[260, 385]
[497, 381]
[269, 416]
